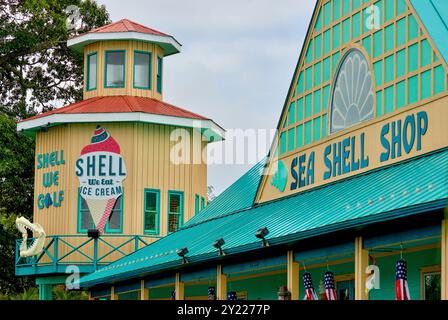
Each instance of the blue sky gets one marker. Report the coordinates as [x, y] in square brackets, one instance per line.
[237, 59]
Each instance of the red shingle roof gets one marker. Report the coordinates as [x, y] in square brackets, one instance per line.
[122, 104]
[125, 25]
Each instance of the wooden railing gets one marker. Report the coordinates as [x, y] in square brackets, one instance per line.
[62, 251]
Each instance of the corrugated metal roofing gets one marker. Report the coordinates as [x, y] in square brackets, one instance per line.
[121, 104]
[240, 195]
[400, 190]
[434, 16]
[124, 25]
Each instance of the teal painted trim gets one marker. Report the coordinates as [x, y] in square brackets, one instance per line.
[200, 275]
[46, 292]
[149, 283]
[105, 69]
[414, 234]
[159, 74]
[150, 70]
[51, 280]
[202, 203]
[181, 213]
[88, 71]
[346, 248]
[127, 287]
[264, 263]
[157, 229]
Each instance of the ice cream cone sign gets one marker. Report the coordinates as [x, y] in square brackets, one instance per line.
[101, 170]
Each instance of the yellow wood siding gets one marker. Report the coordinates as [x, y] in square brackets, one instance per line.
[129, 46]
[146, 150]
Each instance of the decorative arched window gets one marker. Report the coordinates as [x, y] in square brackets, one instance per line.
[352, 92]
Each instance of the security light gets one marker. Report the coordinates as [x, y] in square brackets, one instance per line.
[182, 253]
[93, 233]
[218, 245]
[261, 234]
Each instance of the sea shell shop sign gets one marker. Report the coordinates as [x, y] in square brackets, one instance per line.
[52, 160]
[384, 142]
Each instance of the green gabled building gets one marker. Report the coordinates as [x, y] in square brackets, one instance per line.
[355, 184]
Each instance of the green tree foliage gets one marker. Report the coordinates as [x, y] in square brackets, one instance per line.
[37, 73]
[37, 70]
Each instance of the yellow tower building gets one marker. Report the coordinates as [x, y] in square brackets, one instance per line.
[119, 169]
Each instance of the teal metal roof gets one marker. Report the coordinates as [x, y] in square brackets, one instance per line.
[396, 191]
[434, 16]
[240, 195]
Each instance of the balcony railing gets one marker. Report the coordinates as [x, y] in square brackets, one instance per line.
[87, 254]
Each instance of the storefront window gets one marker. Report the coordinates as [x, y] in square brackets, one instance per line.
[115, 68]
[142, 70]
[431, 289]
[85, 221]
[152, 209]
[175, 206]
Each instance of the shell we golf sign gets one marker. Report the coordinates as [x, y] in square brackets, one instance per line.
[101, 170]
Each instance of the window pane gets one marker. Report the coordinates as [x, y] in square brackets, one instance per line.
[86, 218]
[159, 74]
[150, 221]
[115, 69]
[91, 81]
[151, 201]
[115, 217]
[174, 203]
[432, 286]
[141, 70]
[173, 223]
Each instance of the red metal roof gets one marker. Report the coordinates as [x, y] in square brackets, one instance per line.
[124, 25]
[122, 104]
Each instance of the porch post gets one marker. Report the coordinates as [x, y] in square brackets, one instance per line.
[444, 247]
[361, 263]
[45, 292]
[144, 292]
[293, 275]
[180, 288]
[221, 284]
[113, 295]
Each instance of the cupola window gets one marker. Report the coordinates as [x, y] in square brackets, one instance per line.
[159, 74]
[142, 70]
[115, 69]
[92, 63]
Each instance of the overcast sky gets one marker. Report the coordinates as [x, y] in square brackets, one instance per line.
[237, 59]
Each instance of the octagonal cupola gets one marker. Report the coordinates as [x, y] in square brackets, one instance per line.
[124, 59]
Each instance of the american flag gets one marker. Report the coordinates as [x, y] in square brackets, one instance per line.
[330, 288]
[401, 283]
[310, 294]
[232, 295]
[211, 293]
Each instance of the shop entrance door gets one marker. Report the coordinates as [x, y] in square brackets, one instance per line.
[346, 290]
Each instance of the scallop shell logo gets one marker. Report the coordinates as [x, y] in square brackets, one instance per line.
[280, 177]
[352, 97]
